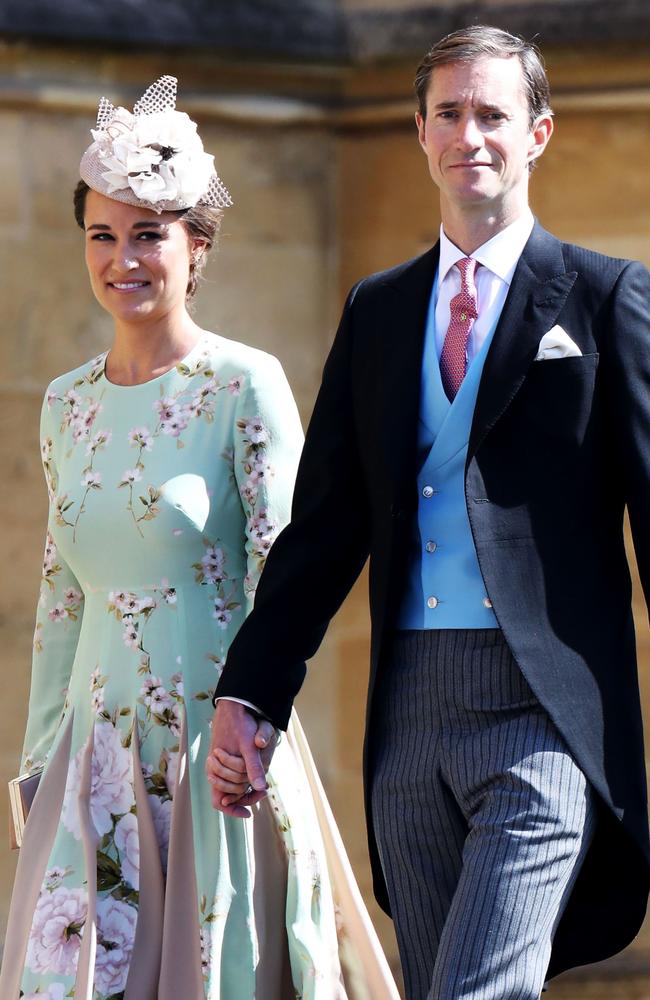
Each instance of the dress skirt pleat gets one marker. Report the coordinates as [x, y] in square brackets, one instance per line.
[144, 971]
[38, 837]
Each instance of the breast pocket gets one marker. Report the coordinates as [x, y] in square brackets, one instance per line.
[556, 398]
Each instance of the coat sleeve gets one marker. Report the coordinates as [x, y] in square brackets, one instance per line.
[58, 622]
[316, 558]
[628, 358]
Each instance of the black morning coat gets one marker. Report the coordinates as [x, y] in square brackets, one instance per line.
[556, 452]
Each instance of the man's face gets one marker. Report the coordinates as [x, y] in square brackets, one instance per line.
[477, 134]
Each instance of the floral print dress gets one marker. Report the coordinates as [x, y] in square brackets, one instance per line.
[164, 500]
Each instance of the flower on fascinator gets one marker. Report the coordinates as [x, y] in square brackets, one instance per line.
[159, 156]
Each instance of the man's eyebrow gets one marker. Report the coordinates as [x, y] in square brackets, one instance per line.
[445, 105]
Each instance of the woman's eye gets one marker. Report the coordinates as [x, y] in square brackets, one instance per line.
[146, 236]
[101, 237]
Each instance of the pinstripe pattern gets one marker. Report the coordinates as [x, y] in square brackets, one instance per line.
[481, 815]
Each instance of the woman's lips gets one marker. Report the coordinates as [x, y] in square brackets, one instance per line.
[127, 286]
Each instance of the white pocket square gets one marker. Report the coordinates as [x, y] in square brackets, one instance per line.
[557, 344]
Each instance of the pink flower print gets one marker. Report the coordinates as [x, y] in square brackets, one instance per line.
[141, 437]
[71, 597]
[223, 611]
[260, 472]
[177, 685]
[155, 696]
[206, 950]
[120, 599]
[54, 877]
[55, 991]
[166, 407]
[172, 758]
[161, 812]
[89, 416]
[176, 424]
[212, 564]
[97, 701]
[55, 935]
[50, 553]
[79, 432]
[174, 720]
[46, 449]
[116, 923]
[51, 397]
[72, 397]
[130, 635]
[159, 700]
[92, 480]
[249, 492]
[111, 786]
[199, 405]
[130, 604]
[255, 430]
[98, 440]
[235, 385]
[127, 842]
[58, 613]
[262, 533]
[130, 476]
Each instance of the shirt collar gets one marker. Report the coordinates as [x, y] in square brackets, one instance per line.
[500, 254]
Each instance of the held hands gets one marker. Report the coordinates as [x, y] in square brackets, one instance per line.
[241, 748]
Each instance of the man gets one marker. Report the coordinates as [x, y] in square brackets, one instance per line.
[504, 757]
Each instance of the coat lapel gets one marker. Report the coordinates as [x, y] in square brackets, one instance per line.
[539, 289]
[403, 342]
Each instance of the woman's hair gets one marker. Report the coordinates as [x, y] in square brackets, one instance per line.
[202, 223]
[477, 41]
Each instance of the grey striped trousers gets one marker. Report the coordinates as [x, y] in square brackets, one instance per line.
[481, 815]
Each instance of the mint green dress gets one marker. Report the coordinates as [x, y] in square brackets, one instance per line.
[164, 500]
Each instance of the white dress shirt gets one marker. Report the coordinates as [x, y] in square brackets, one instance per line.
[498, 259]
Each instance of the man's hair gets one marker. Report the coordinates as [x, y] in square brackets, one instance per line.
[478, 41]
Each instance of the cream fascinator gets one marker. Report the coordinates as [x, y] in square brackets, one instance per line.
[153, 158]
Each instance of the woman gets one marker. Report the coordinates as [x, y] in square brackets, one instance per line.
[169, 463]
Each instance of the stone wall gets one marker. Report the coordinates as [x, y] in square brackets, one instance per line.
[329, 184]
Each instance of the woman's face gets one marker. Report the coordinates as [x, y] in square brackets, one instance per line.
[138, 261]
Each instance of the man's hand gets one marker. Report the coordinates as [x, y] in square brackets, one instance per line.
[241, 748]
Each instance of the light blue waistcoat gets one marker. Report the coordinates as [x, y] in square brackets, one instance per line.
[445, 587]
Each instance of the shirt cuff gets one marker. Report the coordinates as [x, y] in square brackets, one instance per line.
[241, 701]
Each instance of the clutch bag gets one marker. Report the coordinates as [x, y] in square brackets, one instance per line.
[21, 795]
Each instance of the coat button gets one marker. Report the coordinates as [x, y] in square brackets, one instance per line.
[428, 492]
[431, 546]
[432, 602]
[487, 603]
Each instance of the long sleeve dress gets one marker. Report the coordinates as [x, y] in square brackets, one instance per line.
[164, 500]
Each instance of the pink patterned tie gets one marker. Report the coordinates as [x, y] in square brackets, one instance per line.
[464, 310]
